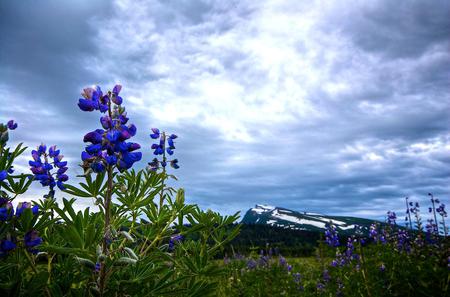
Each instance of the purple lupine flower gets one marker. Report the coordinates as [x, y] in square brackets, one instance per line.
[32, 240]
[155, 134]
[238, 256]
[282, 261]
[251, 264]
[41, 167]
[350, 248]
[391, 217]
[297, 277]
[441, 210]
[154, 164]
[320, 287]
[7, 246]
[162, 149]
[263, 260]
[373, 231]
[6, 210]
[331, 237]
[3, 175]
[174, 239]
[11, 125]
[326, 276]
[289, 268]
[93, 100]
[415, 209]
[108, 145]
[174, 164]
[430, 227]
[403, 240]
[382, 267]
[21, 206]
[97, 267]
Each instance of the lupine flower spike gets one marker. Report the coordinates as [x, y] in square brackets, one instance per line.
[109, 146]
[391, 218]
[331, 237]
[166, 146]
[44, 162]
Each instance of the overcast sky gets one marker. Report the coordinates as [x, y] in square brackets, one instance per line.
[338, 107]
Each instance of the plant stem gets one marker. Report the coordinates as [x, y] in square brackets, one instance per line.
[443, 225]
[161, 196]
[434, 213]
[409, 213]
[158, 237]
[107, 231]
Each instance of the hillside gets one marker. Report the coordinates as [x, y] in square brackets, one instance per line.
[305, 221]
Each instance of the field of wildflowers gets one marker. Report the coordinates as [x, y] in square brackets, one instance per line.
[144, 240]
[391, 261]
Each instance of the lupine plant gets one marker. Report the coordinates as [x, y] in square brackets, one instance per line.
[144, 240]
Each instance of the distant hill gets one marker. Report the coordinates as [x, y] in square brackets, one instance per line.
[305, 221]
[288, 242]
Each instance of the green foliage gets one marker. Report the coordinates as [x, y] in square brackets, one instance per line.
[140, 259]
[374, 269]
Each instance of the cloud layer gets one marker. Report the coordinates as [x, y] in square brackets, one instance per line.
[340, 108]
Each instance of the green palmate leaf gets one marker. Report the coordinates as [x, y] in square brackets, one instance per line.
[136, 190]
[21, 186]
[63, 250]
[68, 208]
[4, 159]
[17, 152]
[76, 192]
[8, 157]
[91, 188]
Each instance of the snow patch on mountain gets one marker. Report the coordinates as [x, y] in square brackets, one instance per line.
[262, 208]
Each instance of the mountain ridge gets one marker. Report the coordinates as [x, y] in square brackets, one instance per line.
[308, 221]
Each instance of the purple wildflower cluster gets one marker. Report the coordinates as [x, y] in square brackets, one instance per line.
[403, 240]
[165, 146]
[174, 240]
[44, 162]
[331, 236]
[441, 210]
[347, 256]
[377, 236]
[266, 260]
[431, 229]
[391, 218]
[31, 238]
[108, 145]
[7, 209]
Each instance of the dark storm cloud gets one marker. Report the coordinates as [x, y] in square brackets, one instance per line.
[398, 29]
[339, 109]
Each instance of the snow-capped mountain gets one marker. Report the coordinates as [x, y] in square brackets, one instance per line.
[285, 218]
